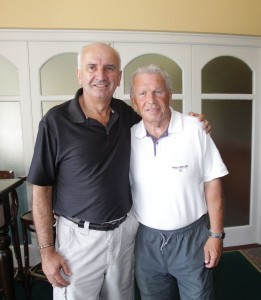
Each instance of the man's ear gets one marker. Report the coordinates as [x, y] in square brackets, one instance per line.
[79, 76]
[170, 98]
[120, 75]
[134, 106]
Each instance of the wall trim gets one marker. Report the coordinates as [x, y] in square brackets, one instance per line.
[128, 37]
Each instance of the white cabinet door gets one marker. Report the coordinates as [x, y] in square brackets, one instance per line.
[236, 117]
[16, 136]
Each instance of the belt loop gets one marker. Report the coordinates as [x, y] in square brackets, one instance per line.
[81, 224]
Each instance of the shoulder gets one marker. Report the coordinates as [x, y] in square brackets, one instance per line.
[120, 104]
[56, 112]
[136, 126]
[192, 123]
[184, 123]
[125, 110]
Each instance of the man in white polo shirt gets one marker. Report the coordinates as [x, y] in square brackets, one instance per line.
[175, 177]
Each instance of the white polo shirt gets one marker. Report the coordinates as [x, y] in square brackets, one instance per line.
[168, 186]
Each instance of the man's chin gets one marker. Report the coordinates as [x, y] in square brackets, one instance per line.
[103, 96]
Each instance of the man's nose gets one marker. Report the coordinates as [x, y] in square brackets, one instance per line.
[100, 73]
[151, 98]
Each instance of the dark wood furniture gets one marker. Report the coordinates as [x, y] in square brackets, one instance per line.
[6, 256]
[32, 273]
[14, 207]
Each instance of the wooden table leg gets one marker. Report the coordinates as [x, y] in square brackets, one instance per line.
[6, 256]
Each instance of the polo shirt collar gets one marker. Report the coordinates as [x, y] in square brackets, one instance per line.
[175, 125]
[75, 111]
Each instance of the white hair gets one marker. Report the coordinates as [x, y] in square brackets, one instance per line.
[79, 57]
[151, 69]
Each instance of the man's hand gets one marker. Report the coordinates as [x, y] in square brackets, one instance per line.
[201, 117]
[53, 263]
[213, 251]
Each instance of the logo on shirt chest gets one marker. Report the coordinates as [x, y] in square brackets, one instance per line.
[180, 168]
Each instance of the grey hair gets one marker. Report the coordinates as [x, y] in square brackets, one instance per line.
[79, 57]
[151, 69]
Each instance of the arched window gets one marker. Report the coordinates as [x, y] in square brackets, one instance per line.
[58, 77]
[226, 75]
[11, 146]
[11, 135]
[227, 103]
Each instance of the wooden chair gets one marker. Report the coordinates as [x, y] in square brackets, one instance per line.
[14, 204]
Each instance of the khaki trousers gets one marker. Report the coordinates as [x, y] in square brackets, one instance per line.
[101, 262]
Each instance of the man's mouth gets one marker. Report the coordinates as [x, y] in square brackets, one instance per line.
[100, 84]
[152, 109]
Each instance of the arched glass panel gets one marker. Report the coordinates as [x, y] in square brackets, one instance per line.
[11, 146]
[164, 62]
[232, 127]
[58, 75]
[9, 80]
[226, 75]
[232, 130]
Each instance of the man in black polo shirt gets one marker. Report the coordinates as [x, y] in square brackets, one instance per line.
[80, 171]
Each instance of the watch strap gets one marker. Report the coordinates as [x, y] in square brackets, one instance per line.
[217, 235]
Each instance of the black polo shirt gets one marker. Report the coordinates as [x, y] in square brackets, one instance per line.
[86, 163]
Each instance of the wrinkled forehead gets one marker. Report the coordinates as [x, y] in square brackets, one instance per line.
[101, 55]
[149, 80]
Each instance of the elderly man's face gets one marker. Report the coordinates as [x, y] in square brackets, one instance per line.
[151, 97]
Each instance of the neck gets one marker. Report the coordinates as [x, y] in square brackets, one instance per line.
[156, 130]
[98, 110]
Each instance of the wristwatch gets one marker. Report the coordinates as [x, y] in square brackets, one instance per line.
[219, 235]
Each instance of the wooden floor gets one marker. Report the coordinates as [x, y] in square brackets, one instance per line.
[241, 247]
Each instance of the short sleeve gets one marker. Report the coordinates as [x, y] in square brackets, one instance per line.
[44, 163]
